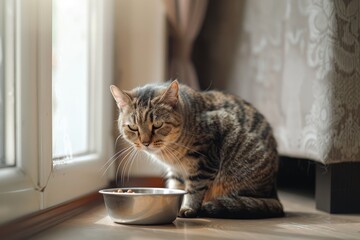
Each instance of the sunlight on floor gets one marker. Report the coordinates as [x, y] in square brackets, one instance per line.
[302, 221]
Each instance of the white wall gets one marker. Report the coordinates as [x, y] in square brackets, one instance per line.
[140, 43]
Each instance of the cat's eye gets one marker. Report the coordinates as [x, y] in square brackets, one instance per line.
[133, 127]
[157, 124]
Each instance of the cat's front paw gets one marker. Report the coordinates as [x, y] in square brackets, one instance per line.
[187, 213]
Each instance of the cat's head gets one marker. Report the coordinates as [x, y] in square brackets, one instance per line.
[148, 116]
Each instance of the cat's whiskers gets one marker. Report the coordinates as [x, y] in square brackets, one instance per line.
[109, 162]
[168, 157]
[183, 169]
[123, 170]
[116, 174]
[115, 156]
[161, 155]
[164, 158]
[113, 159]
[192, 136]
[188, 148]
[123, 167]
[126, 168]
[117, 139]
[133, 157]
[175, 158]
[125, 158]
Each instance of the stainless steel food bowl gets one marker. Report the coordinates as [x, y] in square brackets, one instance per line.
[144, 206]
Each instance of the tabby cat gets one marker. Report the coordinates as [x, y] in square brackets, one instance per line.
[216, 146]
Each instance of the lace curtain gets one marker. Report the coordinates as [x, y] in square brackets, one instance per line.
[299, 63]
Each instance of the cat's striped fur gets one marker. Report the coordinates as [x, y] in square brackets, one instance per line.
[216, 146]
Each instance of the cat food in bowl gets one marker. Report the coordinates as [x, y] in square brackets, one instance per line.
[142, 205]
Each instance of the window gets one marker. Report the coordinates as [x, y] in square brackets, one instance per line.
[19, 193]
[71, 77]
[2, 91]
[81, 111]
[7, 27]
[55, 107]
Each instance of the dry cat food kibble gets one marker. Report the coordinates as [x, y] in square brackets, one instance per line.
[121, 191]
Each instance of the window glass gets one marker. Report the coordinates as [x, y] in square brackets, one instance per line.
[70, 74]
[2, 113]
[7, 78]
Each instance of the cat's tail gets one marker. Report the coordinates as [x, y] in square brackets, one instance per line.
[242, 208]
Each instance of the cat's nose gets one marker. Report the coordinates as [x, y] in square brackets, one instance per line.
[146, 144]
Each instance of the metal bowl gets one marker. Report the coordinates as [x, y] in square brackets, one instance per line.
[144, 206]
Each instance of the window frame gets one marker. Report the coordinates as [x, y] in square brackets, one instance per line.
[37, 182]
[59, 175]
[18, 184]
[2, 86]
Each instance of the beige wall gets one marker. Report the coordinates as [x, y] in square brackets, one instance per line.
[140, 44]
[140, 51]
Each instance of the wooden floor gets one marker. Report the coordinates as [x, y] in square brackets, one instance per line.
[302, 221]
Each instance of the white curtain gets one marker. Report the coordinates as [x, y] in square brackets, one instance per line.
[299, 63]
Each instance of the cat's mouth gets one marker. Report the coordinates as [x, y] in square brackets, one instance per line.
[150, 148]
[153, 147]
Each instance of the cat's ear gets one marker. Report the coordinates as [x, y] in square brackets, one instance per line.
[122, 99]
[171, 95]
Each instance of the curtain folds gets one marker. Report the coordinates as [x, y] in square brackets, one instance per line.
[185, 18]
[298, 62]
